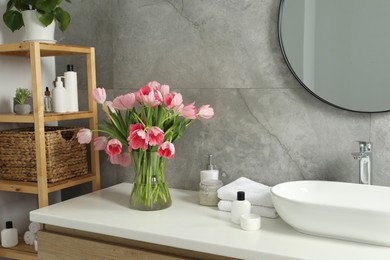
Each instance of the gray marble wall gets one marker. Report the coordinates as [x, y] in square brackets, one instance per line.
[225, 53]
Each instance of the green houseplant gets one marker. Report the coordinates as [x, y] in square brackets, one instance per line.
[21, 107]
[46, 11]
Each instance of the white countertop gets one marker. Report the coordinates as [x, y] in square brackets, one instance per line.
[188, 225]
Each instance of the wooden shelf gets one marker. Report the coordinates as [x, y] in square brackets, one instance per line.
[46, 49]
[31, 187]
[34, 51]
[49, 117]
[21, 251]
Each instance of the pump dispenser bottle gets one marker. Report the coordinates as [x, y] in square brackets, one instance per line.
[71, 89]
[240, 207]
[9, 235]
[59, 97]
[211, 173]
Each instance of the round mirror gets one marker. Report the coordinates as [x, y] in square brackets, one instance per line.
[339, 50]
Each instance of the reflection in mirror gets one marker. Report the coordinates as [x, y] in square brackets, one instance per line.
[339, 50]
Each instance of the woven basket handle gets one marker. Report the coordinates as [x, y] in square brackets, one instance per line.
[68, 135]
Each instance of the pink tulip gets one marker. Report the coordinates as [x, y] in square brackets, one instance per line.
[124, 102]
[188, 111]
[114, 147]
[166, 150]
[84, 136]
[100, 143]
[154, 84]
[205, 112]
[137, 138]
[172, 100]
[155, 136]
[149, 97]
[99, 95]
[164, 90]
[122, 159]
[138, 97]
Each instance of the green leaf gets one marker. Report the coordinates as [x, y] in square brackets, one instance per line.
[63, 18]
[45, 18]
[46, 5]
[13, 20]
[10, 5]
[28, 2]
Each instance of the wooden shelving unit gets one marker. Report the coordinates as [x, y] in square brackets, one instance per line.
[34, 51]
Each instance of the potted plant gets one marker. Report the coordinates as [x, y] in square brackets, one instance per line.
[21, 107]
[37, 16]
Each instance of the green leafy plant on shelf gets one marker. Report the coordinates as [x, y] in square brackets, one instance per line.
[47, 12]
[21, 95]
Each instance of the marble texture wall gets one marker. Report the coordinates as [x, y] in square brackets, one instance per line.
[225, 53]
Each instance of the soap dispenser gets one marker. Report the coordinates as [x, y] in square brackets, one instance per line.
[9, 235]
[211, 173]
[59, 97]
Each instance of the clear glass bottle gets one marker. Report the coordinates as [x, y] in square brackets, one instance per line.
[47, 102]
[208, 192]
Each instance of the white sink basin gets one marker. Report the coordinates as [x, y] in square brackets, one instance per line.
[348, 211]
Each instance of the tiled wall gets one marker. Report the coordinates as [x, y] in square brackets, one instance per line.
[225, 53]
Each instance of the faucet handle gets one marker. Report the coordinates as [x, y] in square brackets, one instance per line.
[365, 146]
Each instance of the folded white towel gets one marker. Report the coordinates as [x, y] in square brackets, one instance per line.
[256, 193]
[29, 238]
[34, 227]
[226, 205]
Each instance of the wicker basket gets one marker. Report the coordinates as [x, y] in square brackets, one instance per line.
[65, 157]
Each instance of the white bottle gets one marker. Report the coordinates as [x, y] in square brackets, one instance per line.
[240, 207]
[9, 235]
[59, 97]
[71, 89]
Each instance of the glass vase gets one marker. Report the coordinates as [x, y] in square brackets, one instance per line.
[150, 191]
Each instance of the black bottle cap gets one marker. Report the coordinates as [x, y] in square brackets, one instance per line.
[8, 224]
[69, 67]
[240, 195]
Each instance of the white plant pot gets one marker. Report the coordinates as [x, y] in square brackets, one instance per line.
[35, 30]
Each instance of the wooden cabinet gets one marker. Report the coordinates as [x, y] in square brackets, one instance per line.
[34, 51]
[63, 243]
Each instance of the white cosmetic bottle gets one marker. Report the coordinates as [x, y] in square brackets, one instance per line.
[71, 89]
[9, 235]
[59, 97]
[240, 207]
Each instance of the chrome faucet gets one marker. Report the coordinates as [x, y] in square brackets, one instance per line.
[365, 162]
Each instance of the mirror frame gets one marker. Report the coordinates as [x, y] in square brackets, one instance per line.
[281, 45]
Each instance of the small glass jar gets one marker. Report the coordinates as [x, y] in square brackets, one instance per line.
[208, 192]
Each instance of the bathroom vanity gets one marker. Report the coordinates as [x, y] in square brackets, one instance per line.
[100, 224]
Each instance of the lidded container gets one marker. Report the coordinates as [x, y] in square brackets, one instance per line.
[208, 192]
[9, 235]
[71, 89]
[240, 207]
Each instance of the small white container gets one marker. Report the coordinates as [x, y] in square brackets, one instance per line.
[240, 207]
[9, 235]
[250, 222]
